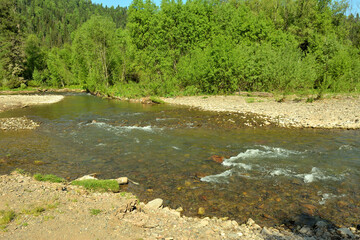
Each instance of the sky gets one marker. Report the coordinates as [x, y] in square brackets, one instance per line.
[354, 4]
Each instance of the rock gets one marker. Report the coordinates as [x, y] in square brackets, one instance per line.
[265, 231]
[250, 222]
[321, 224]
[305, 230]
[87, 177]
[255, 226]
[345, 232]
[180, 209]
[234, 223]
[217, 158]
[203, 223]
[177, 214]
[122, 180]
[201, 211]
[352, 229]
[154, 204]
[227, 224]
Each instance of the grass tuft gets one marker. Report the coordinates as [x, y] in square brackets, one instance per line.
[6, 216]
[48, 178]
[156, 100]
[98, 185]
[20, 171]
[95, 211]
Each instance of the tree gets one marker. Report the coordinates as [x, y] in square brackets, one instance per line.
[11, 41]
[93, 52]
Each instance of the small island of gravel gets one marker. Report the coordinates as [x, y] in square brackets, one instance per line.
[331, 113]
[8, 102]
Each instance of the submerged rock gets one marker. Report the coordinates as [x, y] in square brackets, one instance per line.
[201, 211]
[217, 158]
[345, 232]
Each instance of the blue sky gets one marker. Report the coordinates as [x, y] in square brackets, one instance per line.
[355, 4]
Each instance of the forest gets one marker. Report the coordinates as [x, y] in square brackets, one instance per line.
[180, 48]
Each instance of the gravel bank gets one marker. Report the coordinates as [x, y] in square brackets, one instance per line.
[341, 113]
[8, 102]
[61, 211]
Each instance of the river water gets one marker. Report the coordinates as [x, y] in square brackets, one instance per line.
[270, 174]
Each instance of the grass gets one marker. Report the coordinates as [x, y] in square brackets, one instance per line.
[47, 218]
[20, 171]
[95, 211]
[36, 211]
[48, 178]
[6, 216]
[98, 185]
[252, 100]
[156, 100]
[249, 100]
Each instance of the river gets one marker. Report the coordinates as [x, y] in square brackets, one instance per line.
[271, 174]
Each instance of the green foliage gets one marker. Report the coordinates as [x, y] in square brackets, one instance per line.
[181, 47]
[48, 178]
[20, 171]
[35, 211]
[6, 216]
[156, 100]
[98, 185]
[95, 211]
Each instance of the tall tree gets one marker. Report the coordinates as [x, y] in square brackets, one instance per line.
[11, 42]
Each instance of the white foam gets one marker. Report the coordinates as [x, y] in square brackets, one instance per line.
[316, 174]
[328, 196]
[110, 127]
[218, 178]
[345, 147]
[280, 171]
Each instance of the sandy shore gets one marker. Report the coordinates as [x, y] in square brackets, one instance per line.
[17, 101]
[342, 113]
[8, 102]
[43, 210]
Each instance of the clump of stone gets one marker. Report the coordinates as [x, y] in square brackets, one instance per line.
[18, 123]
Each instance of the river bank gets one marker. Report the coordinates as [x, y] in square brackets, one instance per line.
[330, 113]
[8, 102]
[46, 210]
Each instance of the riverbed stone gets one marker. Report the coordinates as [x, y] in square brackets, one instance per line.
[265, 231]
[201, 211]
[306, 230]
[154, 204]
[122, 180]
[250, 222]
[345, 232]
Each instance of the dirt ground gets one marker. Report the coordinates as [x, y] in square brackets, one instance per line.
[342, 112]
[43, 210]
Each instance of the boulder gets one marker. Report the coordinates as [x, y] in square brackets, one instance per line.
[122, 180]
[154, 204]
[87, 177]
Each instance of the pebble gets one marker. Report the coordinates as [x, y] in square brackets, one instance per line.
[201, 211]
